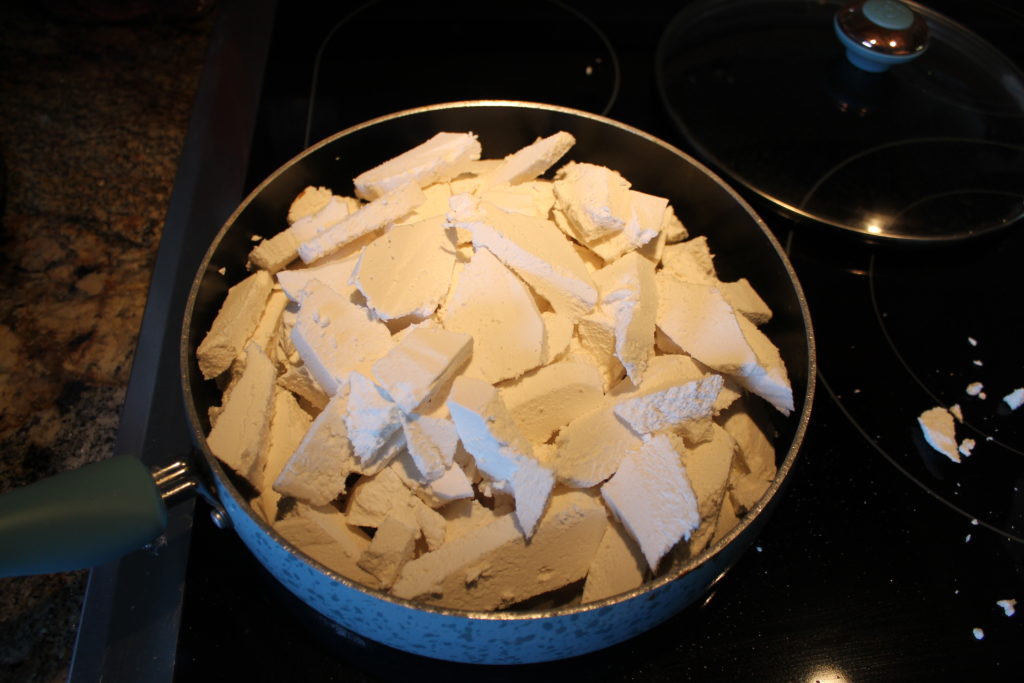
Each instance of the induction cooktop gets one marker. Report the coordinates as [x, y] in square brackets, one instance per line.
[884, 561]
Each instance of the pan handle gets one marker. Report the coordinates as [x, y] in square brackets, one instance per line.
[81, 518]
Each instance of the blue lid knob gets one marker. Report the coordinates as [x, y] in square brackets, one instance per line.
[878, 34]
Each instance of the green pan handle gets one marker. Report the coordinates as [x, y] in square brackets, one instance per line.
[80, 518]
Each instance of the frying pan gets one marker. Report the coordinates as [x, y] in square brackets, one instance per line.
[33, 522]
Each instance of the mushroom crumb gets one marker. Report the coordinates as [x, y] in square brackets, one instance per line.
[940, 431]
[1015, 398]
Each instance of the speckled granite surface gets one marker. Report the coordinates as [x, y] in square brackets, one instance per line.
[92, 119]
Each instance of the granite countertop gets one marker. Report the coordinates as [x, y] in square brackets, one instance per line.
[96, 98]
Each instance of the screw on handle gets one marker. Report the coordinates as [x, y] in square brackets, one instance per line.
[878, 34]
[80, 518]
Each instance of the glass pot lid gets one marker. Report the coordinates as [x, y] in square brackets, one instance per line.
[921, 141]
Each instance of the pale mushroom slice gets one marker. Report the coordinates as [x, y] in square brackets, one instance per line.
[321, 533]
[234, 324]
[493, 566]
[406, 272]
[629, 294]
[536, 252]
[529, 162]
[491, 304]
[651, 495]
[372, 216]
[618, 565]
[500, 451]
[335, 337]
[442, 157]
[316, 471]
[288, 427]
[240, 435]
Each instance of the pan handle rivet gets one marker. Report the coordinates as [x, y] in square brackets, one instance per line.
[220, 519]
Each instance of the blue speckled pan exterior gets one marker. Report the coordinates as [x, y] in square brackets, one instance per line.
[706, 205]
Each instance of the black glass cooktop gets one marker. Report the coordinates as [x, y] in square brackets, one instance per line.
[884, 561]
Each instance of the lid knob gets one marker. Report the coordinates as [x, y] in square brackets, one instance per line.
[880, 33]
